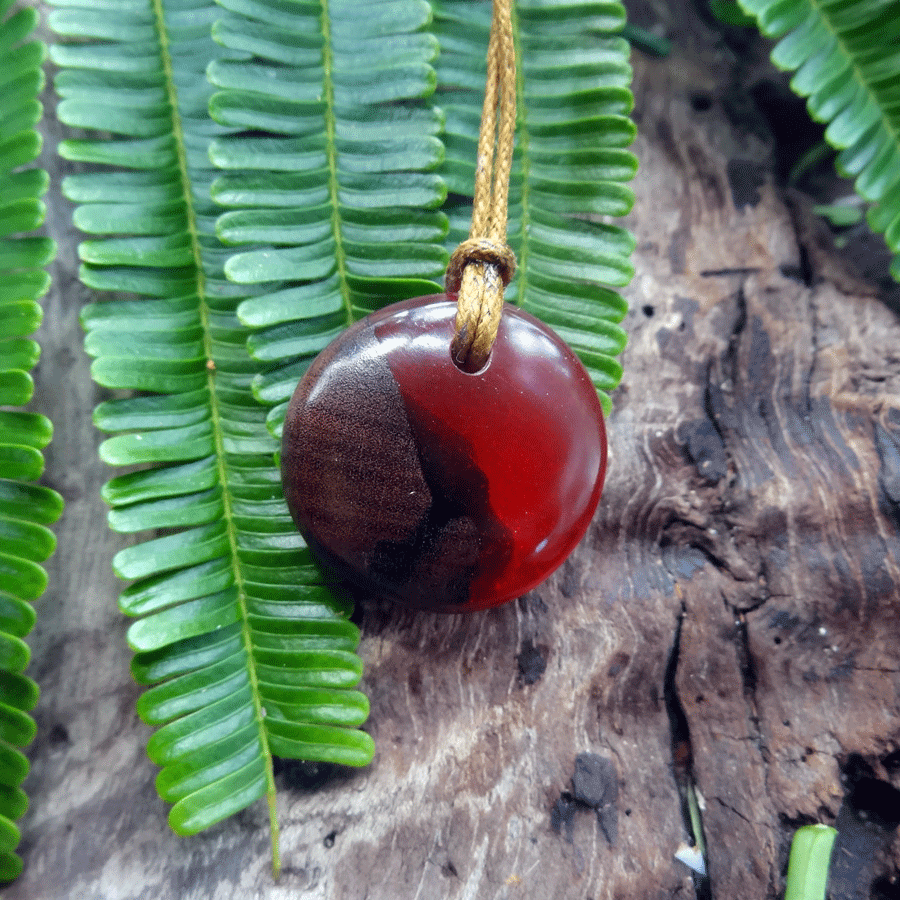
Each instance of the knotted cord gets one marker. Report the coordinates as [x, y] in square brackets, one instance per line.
[482, 266]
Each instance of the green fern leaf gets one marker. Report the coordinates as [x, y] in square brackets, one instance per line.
[26, 509]
[341, 217]
[359, 242]
[246, 650]
[571, 166]
[846, 62]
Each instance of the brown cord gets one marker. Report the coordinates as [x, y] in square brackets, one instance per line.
[482, 266]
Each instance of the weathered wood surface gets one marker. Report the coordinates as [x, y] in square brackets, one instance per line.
[752, 507]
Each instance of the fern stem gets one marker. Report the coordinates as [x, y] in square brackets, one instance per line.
[216, 417]
[331, 153]
[273, 831]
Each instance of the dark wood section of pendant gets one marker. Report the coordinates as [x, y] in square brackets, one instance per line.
[355, 482]
[360, 477]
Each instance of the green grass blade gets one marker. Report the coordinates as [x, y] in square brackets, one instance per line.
[809, 863]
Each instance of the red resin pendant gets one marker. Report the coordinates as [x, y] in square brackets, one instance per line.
[439, 489]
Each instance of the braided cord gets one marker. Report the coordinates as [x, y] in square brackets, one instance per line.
[483, 265]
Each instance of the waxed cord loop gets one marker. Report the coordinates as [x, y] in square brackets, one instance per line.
[480, 250]
[483, 265]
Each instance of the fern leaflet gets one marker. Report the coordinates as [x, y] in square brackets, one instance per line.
[26, 508]
[846, 61]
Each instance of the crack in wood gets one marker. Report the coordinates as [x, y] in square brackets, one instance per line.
[683, 756]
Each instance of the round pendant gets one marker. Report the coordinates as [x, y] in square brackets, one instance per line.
[436, 488]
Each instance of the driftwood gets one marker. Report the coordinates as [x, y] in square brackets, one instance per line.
[732, 617]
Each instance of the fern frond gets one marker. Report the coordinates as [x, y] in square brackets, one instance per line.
[846, 56]
[248, 652]
[343, 210]
[26, 509]
[571, 166]
[572, 163]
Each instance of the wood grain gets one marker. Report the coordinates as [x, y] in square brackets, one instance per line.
[750, 520]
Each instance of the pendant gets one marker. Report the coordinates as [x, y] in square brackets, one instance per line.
[436, 488]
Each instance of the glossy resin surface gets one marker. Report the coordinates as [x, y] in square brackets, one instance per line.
[440, 489]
